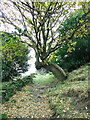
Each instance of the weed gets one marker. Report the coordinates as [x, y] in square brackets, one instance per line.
[4, 116]
[10, 88]
[14, 101]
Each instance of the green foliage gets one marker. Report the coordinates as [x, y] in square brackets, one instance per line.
[75, 50]
[38, 24]
[14, 56]
[14, 101]
[4, 116]
[75, 24]
[74, 59]
[10, 88]
[44, 79]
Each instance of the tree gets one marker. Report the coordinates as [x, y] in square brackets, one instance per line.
[76, 52]
[39, 22]
[14, 56]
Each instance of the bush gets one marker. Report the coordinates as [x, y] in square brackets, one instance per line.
[14, 56]
[75, 58]
[10, 88]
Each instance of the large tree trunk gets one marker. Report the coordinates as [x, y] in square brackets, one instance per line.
[38, 64]
[57, 71]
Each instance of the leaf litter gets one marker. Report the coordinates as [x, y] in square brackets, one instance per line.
[30, 102]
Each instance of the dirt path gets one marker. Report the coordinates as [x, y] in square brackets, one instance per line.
[30, 102]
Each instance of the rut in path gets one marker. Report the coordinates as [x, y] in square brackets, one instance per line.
[30, 102]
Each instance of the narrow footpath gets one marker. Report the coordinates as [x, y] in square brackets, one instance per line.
[30, 102]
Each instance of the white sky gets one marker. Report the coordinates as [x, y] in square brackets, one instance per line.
[31, 62]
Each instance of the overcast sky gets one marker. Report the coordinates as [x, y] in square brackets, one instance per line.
[31, 62]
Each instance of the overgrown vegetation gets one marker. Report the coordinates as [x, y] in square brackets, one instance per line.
[40, 23]
[74, 59]
[70, 100]
[58, 35]
[76, 51]
[10, 88]
[66, 100]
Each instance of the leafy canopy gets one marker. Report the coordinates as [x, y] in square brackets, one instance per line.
[40, 22]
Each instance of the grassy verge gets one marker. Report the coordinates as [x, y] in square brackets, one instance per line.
[70, 99]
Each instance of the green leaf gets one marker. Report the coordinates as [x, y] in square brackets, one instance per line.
[25, 30]
[20, 31]
[4, 115]
[14, 101]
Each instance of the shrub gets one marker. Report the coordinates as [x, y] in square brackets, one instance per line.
[14, 56]
[10, 88]
[75, 58]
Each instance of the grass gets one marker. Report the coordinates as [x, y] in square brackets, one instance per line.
[70, 99]
[0, 85]
[44, 79]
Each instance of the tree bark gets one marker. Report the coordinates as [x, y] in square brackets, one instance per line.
[38, 64]
[57, 71]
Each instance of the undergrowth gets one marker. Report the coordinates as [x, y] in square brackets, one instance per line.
[10, 88]
[67, 100]
[70, 99]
